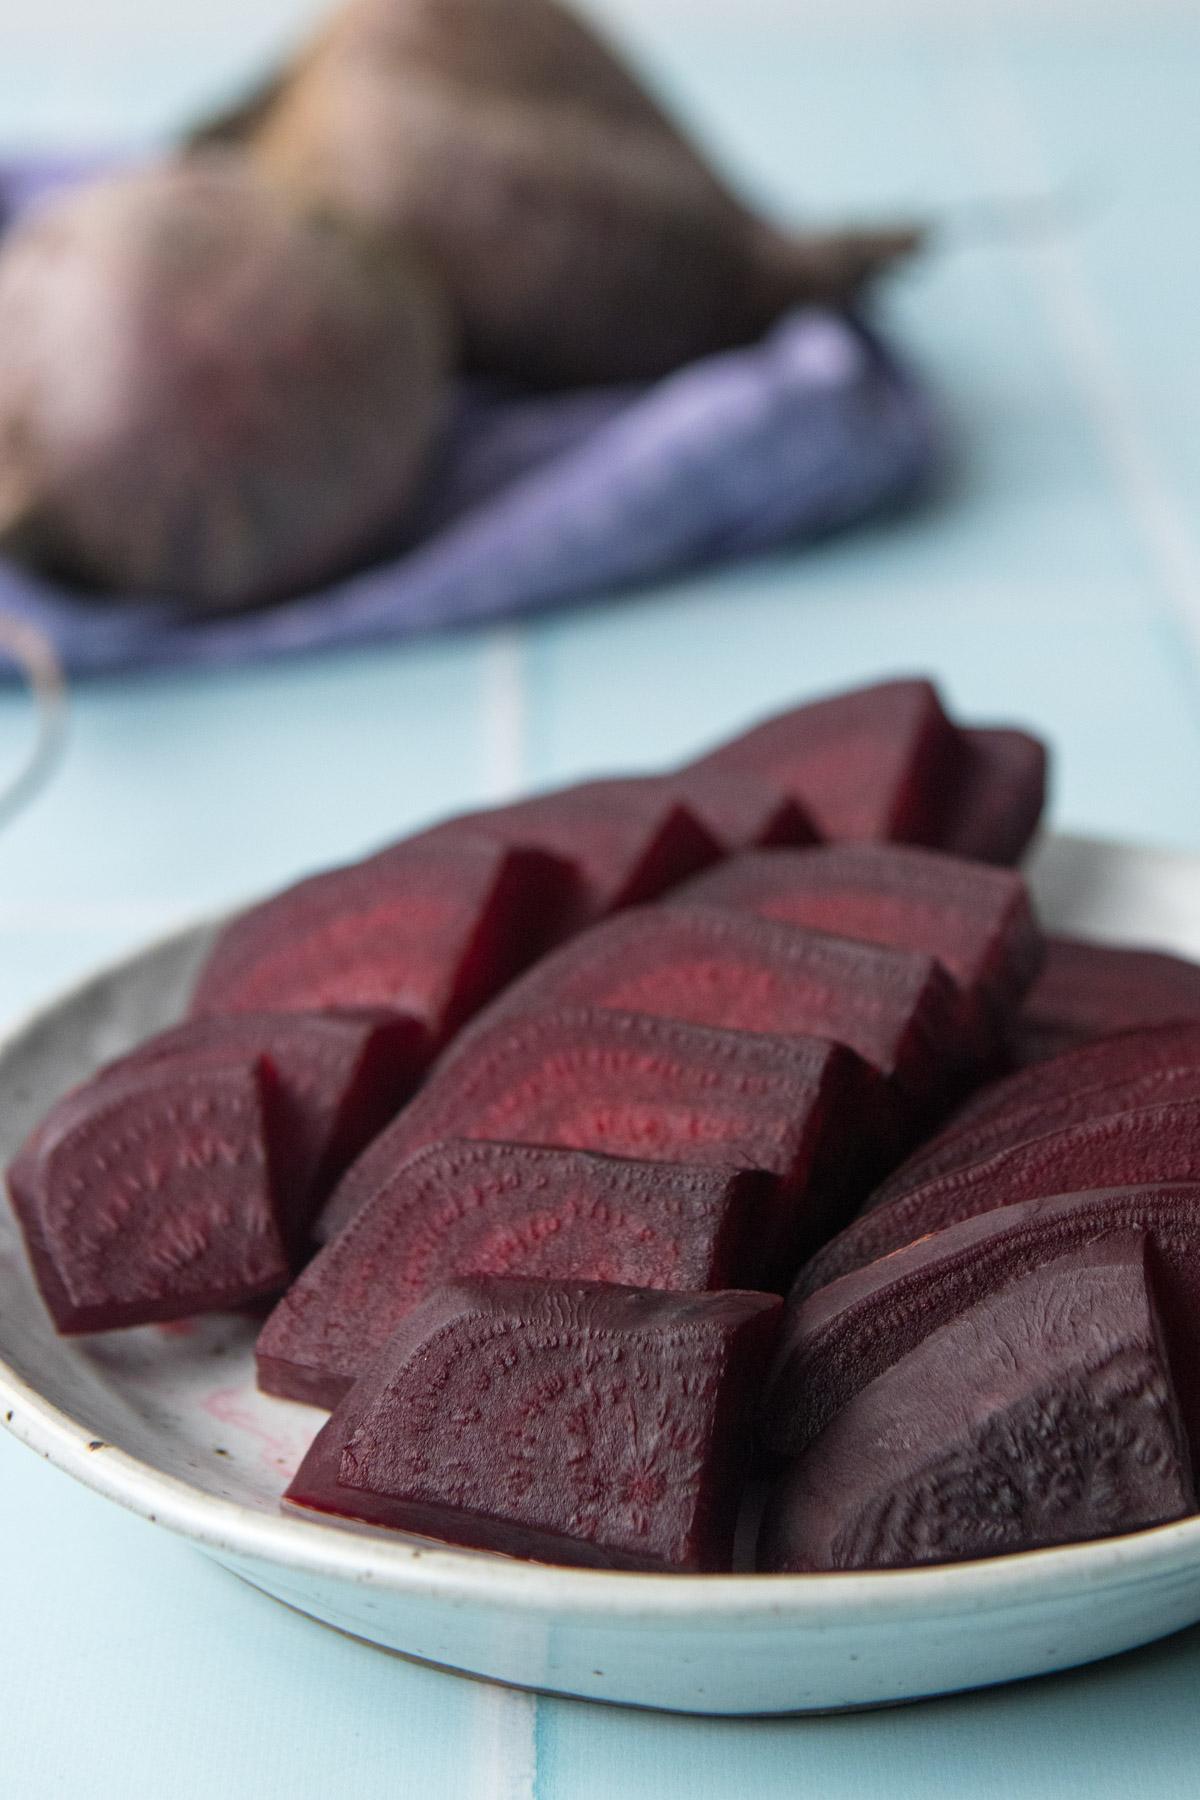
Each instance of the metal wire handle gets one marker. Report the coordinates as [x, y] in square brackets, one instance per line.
[35, 657]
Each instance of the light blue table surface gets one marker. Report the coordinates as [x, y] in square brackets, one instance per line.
[1057, 581]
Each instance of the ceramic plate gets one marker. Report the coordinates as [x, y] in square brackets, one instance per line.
[166, 1421]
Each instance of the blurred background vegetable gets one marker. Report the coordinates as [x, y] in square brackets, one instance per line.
[206, 392]
[221, 375]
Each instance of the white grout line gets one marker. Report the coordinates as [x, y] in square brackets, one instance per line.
[505, 1745]
[504, 714]
[1001, 123]
[505, 1751]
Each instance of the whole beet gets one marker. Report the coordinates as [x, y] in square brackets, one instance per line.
[205, 394]
[580, 235]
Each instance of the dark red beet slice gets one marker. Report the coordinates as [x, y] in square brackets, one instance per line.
[1146, 1143]
[339, 1079]
[627, 1085]
[872, 763]
[627, 838]
[997, 796]
[740, 811]
[1117, 1058]
[1043, 1414]
[572, 1422]
[1088, 990]
[431, 927]
[708, 966]
[837, 1340]
[341, 1076]
[508, 1209]
[1117, 1074]
[976, 921]
[156, 1200]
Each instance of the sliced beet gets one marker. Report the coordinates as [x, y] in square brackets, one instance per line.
[509, 1209]
[1044, 1414]
[838, 1339]
[570, 1422]
[151, 1197]
[337, 1080]
[1121, 1149]
[624, 1084]
[976, 921]
[1116, 1058]
[872, 763]
[431, 927]
[996, 797]
[1086, 991]
[708, 966]
[341, 1076]
[627, 838]
[1131, 1069]
[741, 812]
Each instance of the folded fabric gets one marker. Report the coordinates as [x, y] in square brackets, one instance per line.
[537, 500]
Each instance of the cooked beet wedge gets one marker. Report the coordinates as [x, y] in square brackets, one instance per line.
[571, 1422]
[627, 839]
[1117, 1074]
[340, 1077]
[997, 797]
[156, 1200]
[705, 965]
[461, 1209]
[1086, 991]
[740, 811]
[577, 1078]
[1146, 1143]
[1114, 1060]
[834, 1342]
[1044, 1414]
[431, 928]
[976, 921]
[872, 763]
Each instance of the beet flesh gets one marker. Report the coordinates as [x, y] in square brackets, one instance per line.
[1116, 1059]
[626, 839]
[998, 795]
[887, 763]
[340, 1078]
[838, 1339]
[740, 811]
[870, 763]
[624, 1084]
[705, 965]
[1120, 1149]
[262, 387]
[1087, 990]
[977, 921]
[1044, 1414]
[1117, 1074]
[430, 928]
[462, 1208]
[152, 1197]
[569, 1422]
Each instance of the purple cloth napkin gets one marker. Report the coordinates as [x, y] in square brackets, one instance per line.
[541, 500]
